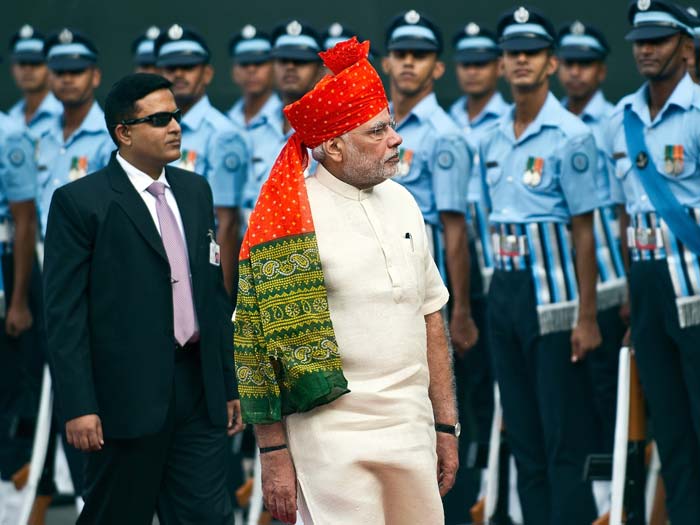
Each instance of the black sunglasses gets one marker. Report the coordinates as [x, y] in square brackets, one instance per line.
[157, 120]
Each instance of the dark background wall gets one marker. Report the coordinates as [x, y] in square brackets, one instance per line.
[114, 24]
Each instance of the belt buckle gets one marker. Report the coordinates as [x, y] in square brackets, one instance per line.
[508, 246]
[645, 239]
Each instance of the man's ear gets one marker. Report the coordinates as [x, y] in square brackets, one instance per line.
[334, 149]
[208, 74]
[386, 67]
[123, 134]
[438, 70]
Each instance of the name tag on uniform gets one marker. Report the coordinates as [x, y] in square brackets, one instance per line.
[214, 250]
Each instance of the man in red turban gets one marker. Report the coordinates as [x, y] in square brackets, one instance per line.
[341, 353]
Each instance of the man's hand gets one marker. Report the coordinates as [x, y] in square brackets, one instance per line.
[585, 338]
[448, 461]
[19, 319]
[463, 331]
[85, 433]
[279, 484]
[235, 419]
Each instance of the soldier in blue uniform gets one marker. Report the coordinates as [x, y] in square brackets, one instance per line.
[654, 141]
[539, 166]
[143, 51]
[37, 107]
[22, 336]
[77, 142]
[212, 145]
[477, 67]
[296, 68]
[435, 160]
[582, 50]
[252, 72]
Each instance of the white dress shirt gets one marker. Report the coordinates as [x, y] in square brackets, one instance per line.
[141, 181]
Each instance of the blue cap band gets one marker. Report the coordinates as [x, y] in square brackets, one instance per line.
[581, 41]
[70, 49]
[296, 41]
[182, 46]
[145, 48]
[34, 45]
[333, 41]
[479, 42]
[659, 17]
[537, 29]
[256, 45]
[413, 31]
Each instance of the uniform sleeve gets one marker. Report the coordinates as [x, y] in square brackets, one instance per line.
[451, 167]
[18, 167]
[578, 174]
[229, 165]
[104, 154]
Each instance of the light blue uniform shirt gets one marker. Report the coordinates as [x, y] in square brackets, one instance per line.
[567, 186]
[17, 167]
[88, 148]
[43, 117]
[219, 149]
[678, 123]
[440, 160]
[475, 130]
[596, 115]
[266, 140]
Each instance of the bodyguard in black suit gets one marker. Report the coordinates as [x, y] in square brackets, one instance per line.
[150, 404]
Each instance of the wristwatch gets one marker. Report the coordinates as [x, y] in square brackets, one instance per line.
[455, 430]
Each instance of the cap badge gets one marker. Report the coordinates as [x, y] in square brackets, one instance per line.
[65, 36]
[693, 11]
[521, 15]
[643, 5]
[472, 29]
[335, 30]
[248, 32]
[294, 28]
[152, 32]
[412, 17]
[26, 31]
[577, 28]
[175, 32]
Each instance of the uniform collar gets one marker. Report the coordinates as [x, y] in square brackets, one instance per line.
[138, 178]
[549, 116]
[595, 110]
[683, 97]
[330, 181]
[197, 113]
[271, 111]
[93, 123]
[495, 107]
[49, 107]
[421, 111]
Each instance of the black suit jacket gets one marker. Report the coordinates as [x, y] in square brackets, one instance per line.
[109, 302]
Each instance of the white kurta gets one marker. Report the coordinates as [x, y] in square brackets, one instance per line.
[369, 457]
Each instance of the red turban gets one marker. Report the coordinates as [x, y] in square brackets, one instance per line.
[339, 103]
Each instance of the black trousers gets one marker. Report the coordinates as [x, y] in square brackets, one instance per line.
[668, 359]
[180, 472]
[547, 406]
[21, 369]
[603, 366]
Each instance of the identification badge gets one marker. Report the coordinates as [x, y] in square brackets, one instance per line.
[214, 250]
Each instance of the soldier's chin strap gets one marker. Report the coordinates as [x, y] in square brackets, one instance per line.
[670, 57]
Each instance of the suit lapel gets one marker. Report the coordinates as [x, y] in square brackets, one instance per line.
[133, 205]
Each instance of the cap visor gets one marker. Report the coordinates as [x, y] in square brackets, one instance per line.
[525, 44]
[28, 57]
[412, 44]
[467, 56]
[69, 63]
[148, 59]
[301, 54]
[180, 59]
[252, 58]
[572, 53]
[651, 33]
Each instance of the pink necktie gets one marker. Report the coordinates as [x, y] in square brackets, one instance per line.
[174, 243]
